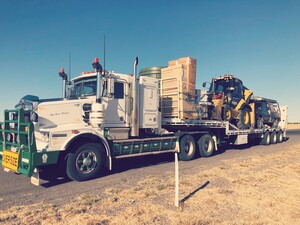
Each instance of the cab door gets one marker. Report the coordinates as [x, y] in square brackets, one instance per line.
[115, 106]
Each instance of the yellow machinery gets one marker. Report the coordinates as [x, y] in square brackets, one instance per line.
[230, 100]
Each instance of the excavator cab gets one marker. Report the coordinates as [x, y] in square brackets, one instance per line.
[231, 101]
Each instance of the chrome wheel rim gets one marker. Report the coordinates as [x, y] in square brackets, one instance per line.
[188, 147]
[208, 146]
[86, 161]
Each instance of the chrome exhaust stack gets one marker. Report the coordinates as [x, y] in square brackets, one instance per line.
[135, 119]
[64, 77]
[98, 70]
[97, 110]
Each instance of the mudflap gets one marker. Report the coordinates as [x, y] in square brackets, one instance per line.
[35, 178]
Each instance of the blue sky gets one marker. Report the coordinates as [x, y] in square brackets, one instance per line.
[257, 41]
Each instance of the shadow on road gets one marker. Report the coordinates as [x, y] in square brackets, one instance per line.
[53, 181]
[122, 165]
[236, 147]
[51, 176]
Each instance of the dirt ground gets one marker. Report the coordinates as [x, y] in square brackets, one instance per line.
[294, 126]
[260, 189]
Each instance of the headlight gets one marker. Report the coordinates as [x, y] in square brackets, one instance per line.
[9, 137]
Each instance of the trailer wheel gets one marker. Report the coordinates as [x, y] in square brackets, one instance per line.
[187, 148]
[243, 119]
[273, 137]
[85, 163]
[266, 140]
[206, 145]
[279, 137]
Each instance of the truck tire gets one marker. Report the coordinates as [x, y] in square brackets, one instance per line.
[85, 163]
[206, 145]
[266, 140]
[187, 148]
[259, 123]
[273, 137]
[226, 113]
[243, 119]
[279, 137]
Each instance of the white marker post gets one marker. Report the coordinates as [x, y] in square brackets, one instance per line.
[176, 174]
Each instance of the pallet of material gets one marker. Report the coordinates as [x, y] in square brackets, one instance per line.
[190, 65]
[178, 93]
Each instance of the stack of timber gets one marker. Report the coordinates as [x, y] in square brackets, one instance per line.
[178, 89]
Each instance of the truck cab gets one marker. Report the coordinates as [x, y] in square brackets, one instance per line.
[115, 96]
[98, 109]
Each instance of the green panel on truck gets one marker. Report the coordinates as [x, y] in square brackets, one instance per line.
[136, 146]
[1, 142]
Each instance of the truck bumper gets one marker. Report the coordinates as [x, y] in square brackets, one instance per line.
[18, 150]
[25, 162]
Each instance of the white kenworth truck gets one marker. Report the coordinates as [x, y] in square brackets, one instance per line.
[106, 115]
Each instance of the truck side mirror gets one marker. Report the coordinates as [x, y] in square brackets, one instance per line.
[110, 86]
[204, 84]
[127, 90]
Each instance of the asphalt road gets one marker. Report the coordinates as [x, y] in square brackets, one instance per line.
[17, 189]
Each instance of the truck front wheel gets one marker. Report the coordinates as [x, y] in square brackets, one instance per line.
[85, 163]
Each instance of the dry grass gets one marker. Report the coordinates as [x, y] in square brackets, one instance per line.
[262, 189]
[295, 126]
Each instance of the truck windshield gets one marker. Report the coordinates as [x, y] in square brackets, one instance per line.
[83, 87]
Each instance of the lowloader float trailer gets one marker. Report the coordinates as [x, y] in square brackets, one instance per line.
[104, 116]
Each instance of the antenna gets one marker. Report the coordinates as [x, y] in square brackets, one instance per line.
[70, 60]
[104, 54]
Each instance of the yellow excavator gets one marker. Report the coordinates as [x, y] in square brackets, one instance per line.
[231, 101]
